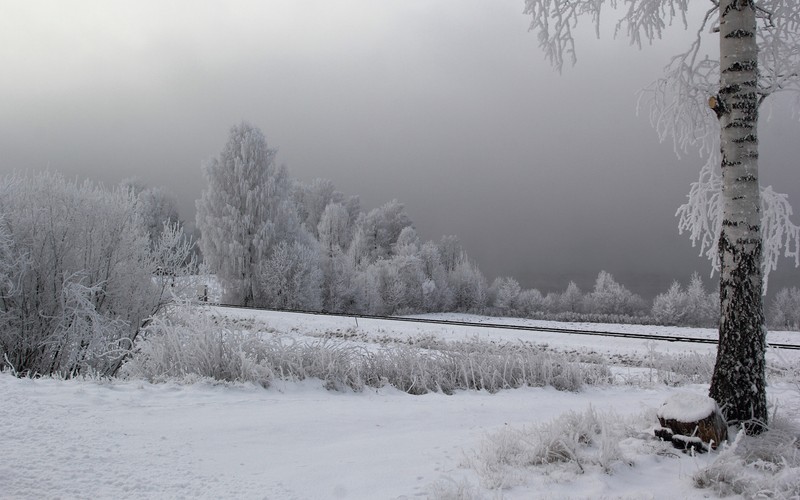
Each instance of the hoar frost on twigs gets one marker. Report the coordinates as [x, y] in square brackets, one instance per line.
[701, 217]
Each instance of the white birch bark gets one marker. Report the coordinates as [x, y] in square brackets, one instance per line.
[738, 384]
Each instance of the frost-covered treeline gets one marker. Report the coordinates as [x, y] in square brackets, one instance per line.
[278, 242]
[79, 274]
[608, 301]
[611, 302]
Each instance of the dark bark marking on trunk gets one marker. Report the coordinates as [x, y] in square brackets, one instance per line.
[741, 66]
[740, 34]
[748, 138]
[738, 381]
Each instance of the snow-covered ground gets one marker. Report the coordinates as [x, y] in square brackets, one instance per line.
[296, 440]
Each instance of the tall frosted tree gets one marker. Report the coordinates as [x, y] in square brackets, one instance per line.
[725, 205]
[243, 211]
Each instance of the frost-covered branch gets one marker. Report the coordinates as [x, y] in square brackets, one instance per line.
[677, 101]
[701, 217]
[555, 20]
[779, 61]
[777, 230]
[647, 19]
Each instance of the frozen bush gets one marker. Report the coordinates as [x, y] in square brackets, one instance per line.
[78, 275]
[194, 346]
[573, 440]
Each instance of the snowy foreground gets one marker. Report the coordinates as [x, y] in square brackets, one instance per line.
[133, 439]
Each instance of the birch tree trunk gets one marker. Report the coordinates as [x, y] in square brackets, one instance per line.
[739, 383]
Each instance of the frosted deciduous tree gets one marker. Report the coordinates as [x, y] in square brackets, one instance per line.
[759, 55]
[157, 206]
[571, 299]
[468, 285]
[409, 273]
[378, 230]
[343, 286]
[506, 291]
[451, 251]
[669, 307]
[290, 278]
[311, 200]
[785, 309]
[241, 212]
[530, 302]
[690, 307]
[702, 308]
[334, 229]
[407, 242]
[610, 297]
[437, 294]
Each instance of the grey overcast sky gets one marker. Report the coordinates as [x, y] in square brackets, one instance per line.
[445, 105]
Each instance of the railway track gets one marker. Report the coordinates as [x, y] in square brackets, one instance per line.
[504, 326]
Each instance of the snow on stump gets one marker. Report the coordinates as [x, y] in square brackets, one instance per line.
[691, 422]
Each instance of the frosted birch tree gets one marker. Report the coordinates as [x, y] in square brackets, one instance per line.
[742, 231]
[243, 212]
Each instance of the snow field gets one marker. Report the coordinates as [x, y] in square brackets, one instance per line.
[201, 438]
[83, 439]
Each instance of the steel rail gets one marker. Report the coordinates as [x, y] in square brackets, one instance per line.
[501, 326]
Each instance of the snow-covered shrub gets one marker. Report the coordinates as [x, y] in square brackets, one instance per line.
[762, 466]
[573, 441]
[784, 313]
[78, 274]
[192, 345]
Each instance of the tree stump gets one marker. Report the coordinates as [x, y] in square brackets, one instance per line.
[691, 422]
